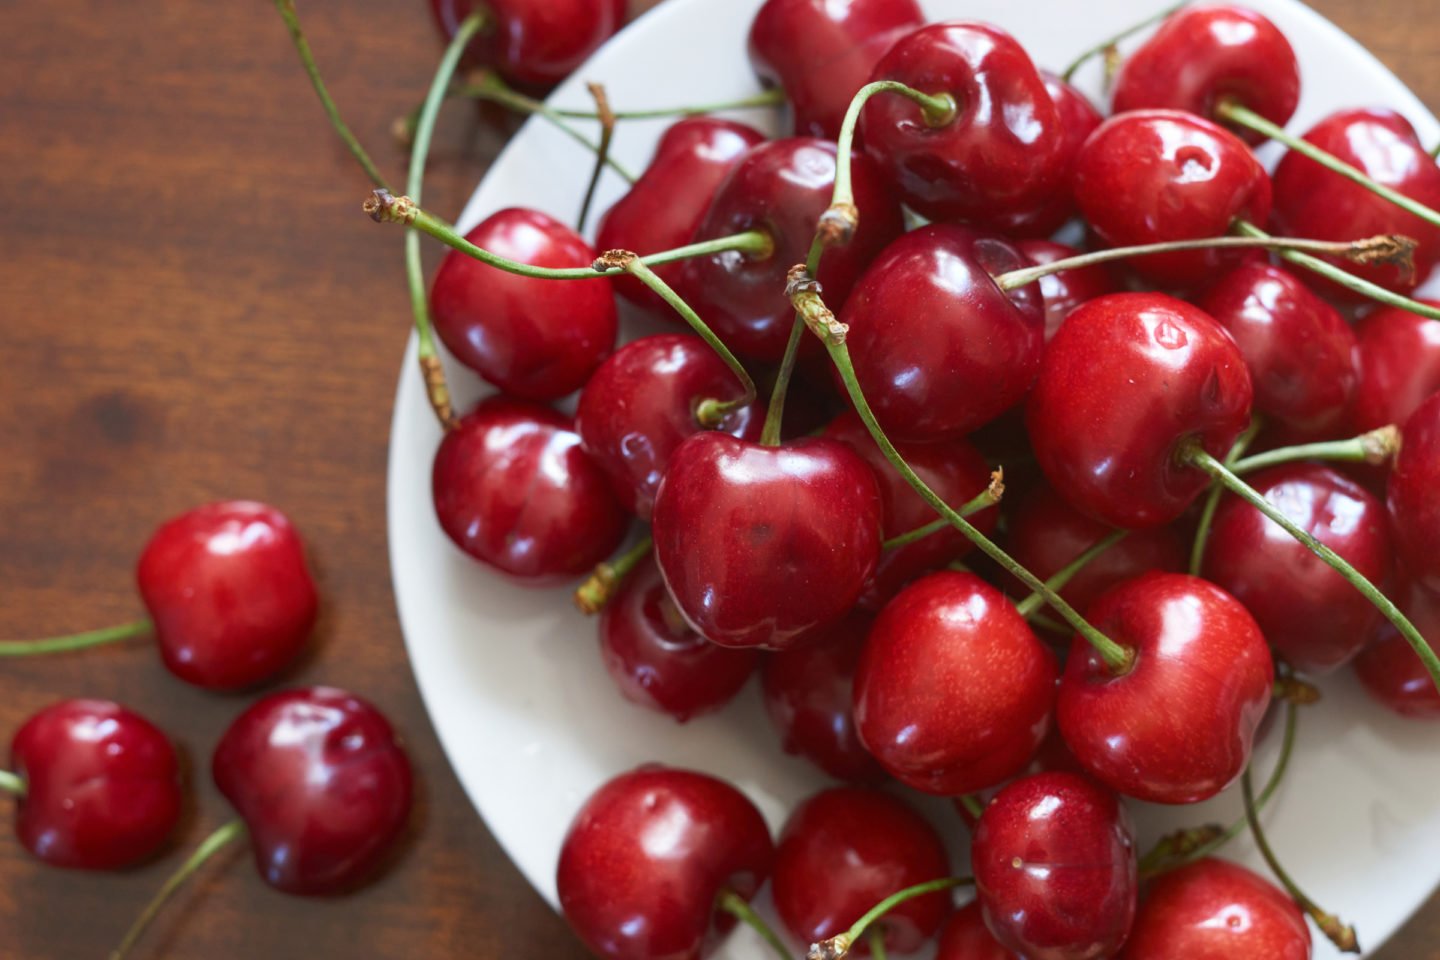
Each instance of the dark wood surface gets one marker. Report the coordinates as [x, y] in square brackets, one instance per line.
[193, 308]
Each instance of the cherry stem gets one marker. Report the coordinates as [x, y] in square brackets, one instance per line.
[12, 784]
[1106, 45]
[1053, 625]
[972, 805]
[775, 412]
[986, 499]
[839, 945]
[739, 908]
[212, 844]
[1027, 607]
[1376, 447]
[607, 134]
[1196, 456]
[75, 641]
[595, 592]
[876, 941]
[1212, 499]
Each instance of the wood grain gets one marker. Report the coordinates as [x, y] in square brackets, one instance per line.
[193, 308]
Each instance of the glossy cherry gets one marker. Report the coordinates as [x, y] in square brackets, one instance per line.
[965, 937]
[643, 402]
[657, 661]
[534, 339]
[1308, 613]
[1153, 176]
[953, 693]
[533, 42]
[1411, 496]
[647, 857]
[1178, 726]
[229, 592]
[821, 52]
[1129, 379]
[1389, 669]
[1066, 290]
[513, 489]
[782, 188]
[102, 785]
[939, 349]
[664, 207]
[1078, 119]
[1055, 869]
[846, 849]
[1399, 366]
[1214, 910]
[322, 783]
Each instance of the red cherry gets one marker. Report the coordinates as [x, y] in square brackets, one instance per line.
[513, 489]
[641, 404]
[1129, 379]
[761, 545]
[821, 52]
[1399, 365]
[1066, 290]
[1414, 506]
[664, 207]
[781, 188]
[1311, 201]
[1204, 55]
[1177, 727]
[846, 849]
[657, 661]
[1055, 869]
[1153, 176]
[533, 42]
[647, 857]
[1306, 610]
[1078, 119]
[102, 785]
[1003, 150]
[1214, 910]
[322, 783]
[1389, 669]
[953, 693]
[939, 349]
[535, 339]
[229, 592]
[965, 937]
[808, 693]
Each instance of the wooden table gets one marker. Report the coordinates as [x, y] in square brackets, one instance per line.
[194, 308]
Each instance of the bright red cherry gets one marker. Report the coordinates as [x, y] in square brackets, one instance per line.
[954, 691]
[513, 489]
[821, 52]
[102, 785]
[939, 349]
[229, 592]
[1078, 119]
[965, 937]
[1055, 869]
[534, 339]
[1066, 290]
[1214, 910]
[1308, 613]
[647, 857]
[657, 661]
[846, 849]
[1153, 176]
[1414, 505]
[1003, 150]
[1178, 726]
[1389, 669]
[533, 42]
[1399, 365]
[642, 403]
[1204, 55]
[664, 207]
[322, 783]
[1126, 383]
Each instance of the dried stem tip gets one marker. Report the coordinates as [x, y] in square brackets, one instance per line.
[594, 593]
[613, 260]
[385, 207]
[803, 291]
[838, 224]
[1387, 248]
[1296, 691]
[438, 390]
[996, 490]
[1381, 445]
[1340, 934]
[833, 949]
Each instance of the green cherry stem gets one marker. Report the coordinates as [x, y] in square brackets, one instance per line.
[775, 412]
[75, 641]
[875, 940]
[1376, 448]
[1028, 607]
[607, 135]
[839, 945]
[592, 595]
[11, 784]
[1049, 623]
[972, 805]
[986, 499]
[1212, 499]
[1109, 43]
[737, 906]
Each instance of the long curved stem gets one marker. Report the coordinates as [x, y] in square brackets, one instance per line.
[773, 97]
[1212, 499]
[602, 155]
[1375, 447]
[1109, 43]
[1027, 607]
[11, 784]
[984, 500]
[592, 595]
[75, 641]
[736, 905]
[840, 944]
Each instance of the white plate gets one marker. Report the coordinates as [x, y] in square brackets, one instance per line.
[513, 680]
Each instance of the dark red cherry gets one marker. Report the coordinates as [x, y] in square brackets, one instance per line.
[821, 52]
[642, 403]
[1301, 353]
[647, 857]
[1066, 290]
[809, 691]
[1308, 613]
[1078, 119]
[322, 783]
[965, 937]
[1126, 383]
[1153, 176]
[846, 849]
[229, 592]
[1414, 505]
[1399, 365]
[1311, 201]
[514, 490]
[939, 349]
[533, 42]
[782, 188]
[1003, 150]
[664, 207]
[1178, 726]
[657, 661]
[1054, 864]
[1214, 910]
[534, 339]
[1390, 670]
[102, 785]
[1204, 55]
[953, 693]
